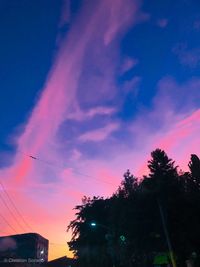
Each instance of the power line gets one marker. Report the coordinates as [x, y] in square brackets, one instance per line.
[8, 223]
[10, 199]
[92, 177]
[75, 171]
[59, 166]
[12, 214]
[14, 206]
[2, 229]
[33, 157]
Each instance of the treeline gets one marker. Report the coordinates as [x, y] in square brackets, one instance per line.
[143, 219]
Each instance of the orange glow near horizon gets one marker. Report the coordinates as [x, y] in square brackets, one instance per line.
[80, 146]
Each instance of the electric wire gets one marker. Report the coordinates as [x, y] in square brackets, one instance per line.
[2, 228]
[11, 213]
[33, 157]
[10, 199]
[15, 207]
[75, 171]
[11, 227]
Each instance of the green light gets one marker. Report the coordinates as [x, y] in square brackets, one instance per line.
[93, 224]
[123, 238]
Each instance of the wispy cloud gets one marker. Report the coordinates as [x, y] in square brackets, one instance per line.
[172, 123]
[116, 22]
[82, 76]
[80, 115]
[128, 64]
[99, 134]
[80, 88]
[59, 93]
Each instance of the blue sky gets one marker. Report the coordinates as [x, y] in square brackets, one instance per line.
[92, 87]
[28, 31]
[28, 46]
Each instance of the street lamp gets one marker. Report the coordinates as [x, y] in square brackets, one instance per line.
[109, 234]
[109, 237]
[93, 224]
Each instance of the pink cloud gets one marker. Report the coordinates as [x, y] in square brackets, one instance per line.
[80, 115]
[51, 190]
[59, 92]
[175, 100]
[40, 188]
[128, 64]
[99, 134]
[101, 111]
[116, 22]
[76, 155]
[182, 139]
[172, 124]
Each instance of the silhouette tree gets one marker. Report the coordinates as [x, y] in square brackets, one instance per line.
[163, 173]
[123, 218]
[88, 243]
[176, 194]
[194, 166]
[129, 225]
[128, 185]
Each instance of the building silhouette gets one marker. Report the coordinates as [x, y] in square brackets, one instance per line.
[24, 248]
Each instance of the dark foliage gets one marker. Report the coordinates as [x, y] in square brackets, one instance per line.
[129, 228]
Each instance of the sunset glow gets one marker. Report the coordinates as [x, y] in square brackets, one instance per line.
[96, 104]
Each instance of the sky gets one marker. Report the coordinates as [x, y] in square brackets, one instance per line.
[88, 88]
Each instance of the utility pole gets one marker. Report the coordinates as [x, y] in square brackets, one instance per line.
[110, 242]
[171, 253]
